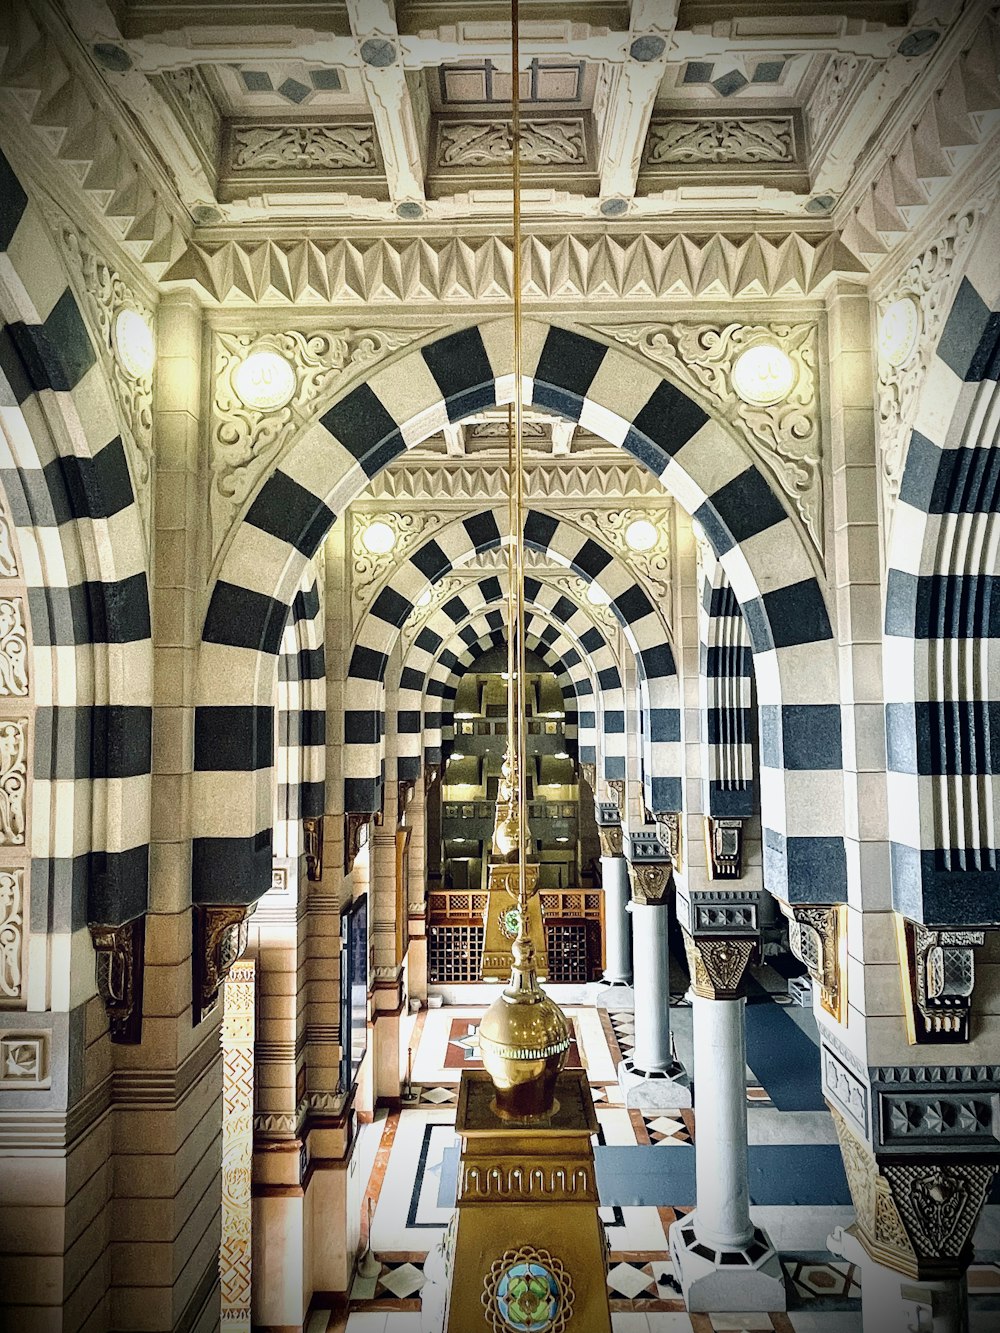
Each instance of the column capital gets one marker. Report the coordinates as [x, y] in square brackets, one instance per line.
[650, 869]
[611, 839]
[718, 964]
[916, 1215]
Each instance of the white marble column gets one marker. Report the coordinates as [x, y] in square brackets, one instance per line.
[722, 1261]
[650, 1076]
[614, 879]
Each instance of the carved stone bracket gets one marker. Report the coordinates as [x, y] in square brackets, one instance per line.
[611, 839]
[120, 961]
[219, 939]
[918, 1215]
[357, 828]
[939, 976]
[670, 831]
[431, 774]
[724, 843]
[404, 794]
[651, 883]
[718, 964]
[246, 441]
[616, 786]
[312, 833]
[589, 774]
[817, 936]
[784, 436]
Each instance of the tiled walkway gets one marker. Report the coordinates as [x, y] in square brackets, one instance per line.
[418, 1146]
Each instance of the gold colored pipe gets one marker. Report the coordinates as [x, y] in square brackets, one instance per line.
[517, 627]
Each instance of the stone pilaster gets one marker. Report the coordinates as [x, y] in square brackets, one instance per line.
[615, 885]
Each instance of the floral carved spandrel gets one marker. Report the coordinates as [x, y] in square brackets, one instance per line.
[13, 780]
[13, 648]
[303, 147]
[11, 932]
[246, 440]
[784, 436]
[106, 294]
[721, 140]
[465, 143]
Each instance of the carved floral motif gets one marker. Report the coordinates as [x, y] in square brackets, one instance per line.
[473, 143]
[13, 780]
[653, 565]
[13, 648]
[106, 294]
[8, 560]
[24, 1059]
[303, 147]
[245, 440]
[190, 96]
[370, 570]
[829, 93]
[784, 436]
[11, 932]
[723, 139]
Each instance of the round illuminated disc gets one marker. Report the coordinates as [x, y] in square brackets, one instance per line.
[763, 375]
[134, 343]
[264, 380]
[640, 535]
[378, 538]
[596, 595]
[898, 331]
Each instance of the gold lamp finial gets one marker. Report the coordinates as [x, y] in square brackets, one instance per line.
[524, 1036]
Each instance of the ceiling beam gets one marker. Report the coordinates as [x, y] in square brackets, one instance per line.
[401, 139]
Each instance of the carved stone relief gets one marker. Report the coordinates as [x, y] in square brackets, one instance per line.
[650, 883]
[829, 93]
[245, 441]
[784, 436]
[13, 780]
[120, 967]
[718, 965]
[13, 648]
[721, 139]
[653, 565]
[187, 92]
[24, 1059]
[931, 281]
[8, 560]
[817, 936]
[106, 294]
[939, 977]
[235, 1257]
[303, 147]
[411, 481]
[371, 570]
[11, 932]
[473, 143]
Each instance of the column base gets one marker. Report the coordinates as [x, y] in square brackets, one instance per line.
[614, 980]
[655, 1089]
[718, 1280]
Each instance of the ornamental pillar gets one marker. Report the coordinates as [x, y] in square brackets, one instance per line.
[614, 881]
[651, 1077]
[721, 1259]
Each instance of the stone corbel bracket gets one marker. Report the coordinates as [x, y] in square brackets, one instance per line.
[938, 975]
[431, 775]
[609, 827]
[718, 964]
[404, 795]
[357, 828]
[817, 936]
[721, 938]
[670, 831]
[616, 787]
[312, 833]
[650, 870]
[120, 963]
[724, 845]
[219, 938]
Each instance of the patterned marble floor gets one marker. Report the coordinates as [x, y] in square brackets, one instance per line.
[417, 1144]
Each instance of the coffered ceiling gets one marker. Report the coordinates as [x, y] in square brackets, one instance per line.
[361, 111]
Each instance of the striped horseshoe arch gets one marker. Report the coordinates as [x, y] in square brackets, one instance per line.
[614, 395]
[72, 536]
[300, 753]
[724, 680]
[642, 625]
[942, 623]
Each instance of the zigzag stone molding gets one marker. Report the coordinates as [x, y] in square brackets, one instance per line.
[563, 481]
[245, 441]
[785, 437]
[396, 271]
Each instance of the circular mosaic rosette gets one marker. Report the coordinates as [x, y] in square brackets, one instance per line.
[528, 1291]
[510, 922]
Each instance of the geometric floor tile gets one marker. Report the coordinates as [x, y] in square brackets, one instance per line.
[439, 1096]
[820, 1280]
[402, 1280]
[666, 1127]
[631, 1280]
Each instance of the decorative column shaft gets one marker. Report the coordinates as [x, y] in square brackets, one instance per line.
[614, 878]
[651, 1077]
[722, 1260]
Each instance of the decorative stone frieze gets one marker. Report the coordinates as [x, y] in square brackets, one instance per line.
[120, 967]
[220, 939]
[13, 648]
[817, 936]
[301, 148]
[845, 1083]
[737, 140]
[939, 977]
[11, 932]
[473, 481]
[917, 1216]
[649, 266]
[235, 1254]
[13, 780]
[245, 441]
[724, 843]
[106, 293]
[784, 436]
[488, 143]
[718, 964]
